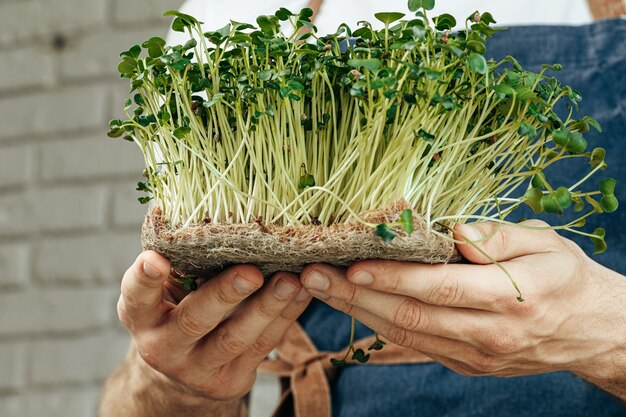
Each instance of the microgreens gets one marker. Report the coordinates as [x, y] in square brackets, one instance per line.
[251, 122]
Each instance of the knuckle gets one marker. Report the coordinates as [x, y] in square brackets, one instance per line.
[351, 294]
[400, 336]
[225, 295]
[263, 346]
[446, 292]
[409, 315]
[500, 341]
[229, 343]
[188, 323]
[266, 310]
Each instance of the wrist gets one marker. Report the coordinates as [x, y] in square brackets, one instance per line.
[607, 327]
[174, 395]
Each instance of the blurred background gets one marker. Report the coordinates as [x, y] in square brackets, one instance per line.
[69, 216]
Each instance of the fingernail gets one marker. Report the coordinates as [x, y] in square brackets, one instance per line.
[361, 278]
[319, 295]
[284, 289]
[243, 286]
[151, 271]
[471, 232]
[317, 281]
[302, 295]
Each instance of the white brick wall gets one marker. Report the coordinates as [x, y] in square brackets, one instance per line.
[69, 216]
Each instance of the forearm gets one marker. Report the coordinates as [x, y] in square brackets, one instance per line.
[135, 390]
[607, 369]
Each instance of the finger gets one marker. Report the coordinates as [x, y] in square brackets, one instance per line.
[245, 326]
[201, 311]
[273, 334]
[142, 288]
[422, 342]
[483, 287]
[404, 312]
[503, 242]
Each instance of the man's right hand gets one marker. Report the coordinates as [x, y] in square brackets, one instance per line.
[206, 344]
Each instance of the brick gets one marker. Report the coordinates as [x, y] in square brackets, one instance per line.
[71, 403]
[15, 165]
[69, 208]
[12, 366]
[14, 264]
[16, 214]
[42, 18]
[89, 56]
[64, 110]
[26, 68]
[94, 157]
[127, 211]
[131, 11]
[77, 360]
[12, 406]
[56, 310]
[101, 258]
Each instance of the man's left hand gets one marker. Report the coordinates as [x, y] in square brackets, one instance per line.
[467, 316]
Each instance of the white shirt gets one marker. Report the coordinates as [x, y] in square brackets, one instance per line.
[217, 13]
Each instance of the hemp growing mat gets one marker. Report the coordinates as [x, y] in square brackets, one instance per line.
[202, 250]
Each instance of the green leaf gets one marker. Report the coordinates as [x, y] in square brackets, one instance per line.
[598, 240]
[477, 63]
[593, 123]
[503, 90]
[377, 345]
[487, 18]
[181, 132]
[283, 14]
[579, 204]
[445, 22]
[527, 130]
[268, 24]
[306, 180]
[414, 5]
[607, 186]
[533, 199]
[360, 356]
[383, 231]
[563, 197]
[406, 219]
[550, 204]
[369, 64]
[337, 363]
[144, 200]
[609, 203]
[265, 75]
[389, 17]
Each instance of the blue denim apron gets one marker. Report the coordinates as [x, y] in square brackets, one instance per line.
[594, 60]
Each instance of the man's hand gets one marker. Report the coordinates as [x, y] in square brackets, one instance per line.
[206, 345]
[468, 318]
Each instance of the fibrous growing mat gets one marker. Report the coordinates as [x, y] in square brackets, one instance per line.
[204, 249]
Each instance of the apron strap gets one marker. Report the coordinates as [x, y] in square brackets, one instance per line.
[607, 9]
[305, 372]
[315, 5]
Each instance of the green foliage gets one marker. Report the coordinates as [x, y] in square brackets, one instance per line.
[229, 120]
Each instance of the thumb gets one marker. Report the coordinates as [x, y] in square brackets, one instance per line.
[503, 242]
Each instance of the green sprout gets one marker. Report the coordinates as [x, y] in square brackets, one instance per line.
[251, 122]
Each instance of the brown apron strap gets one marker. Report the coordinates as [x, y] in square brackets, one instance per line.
[315, 5]
[607, 9]
[308, 371]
